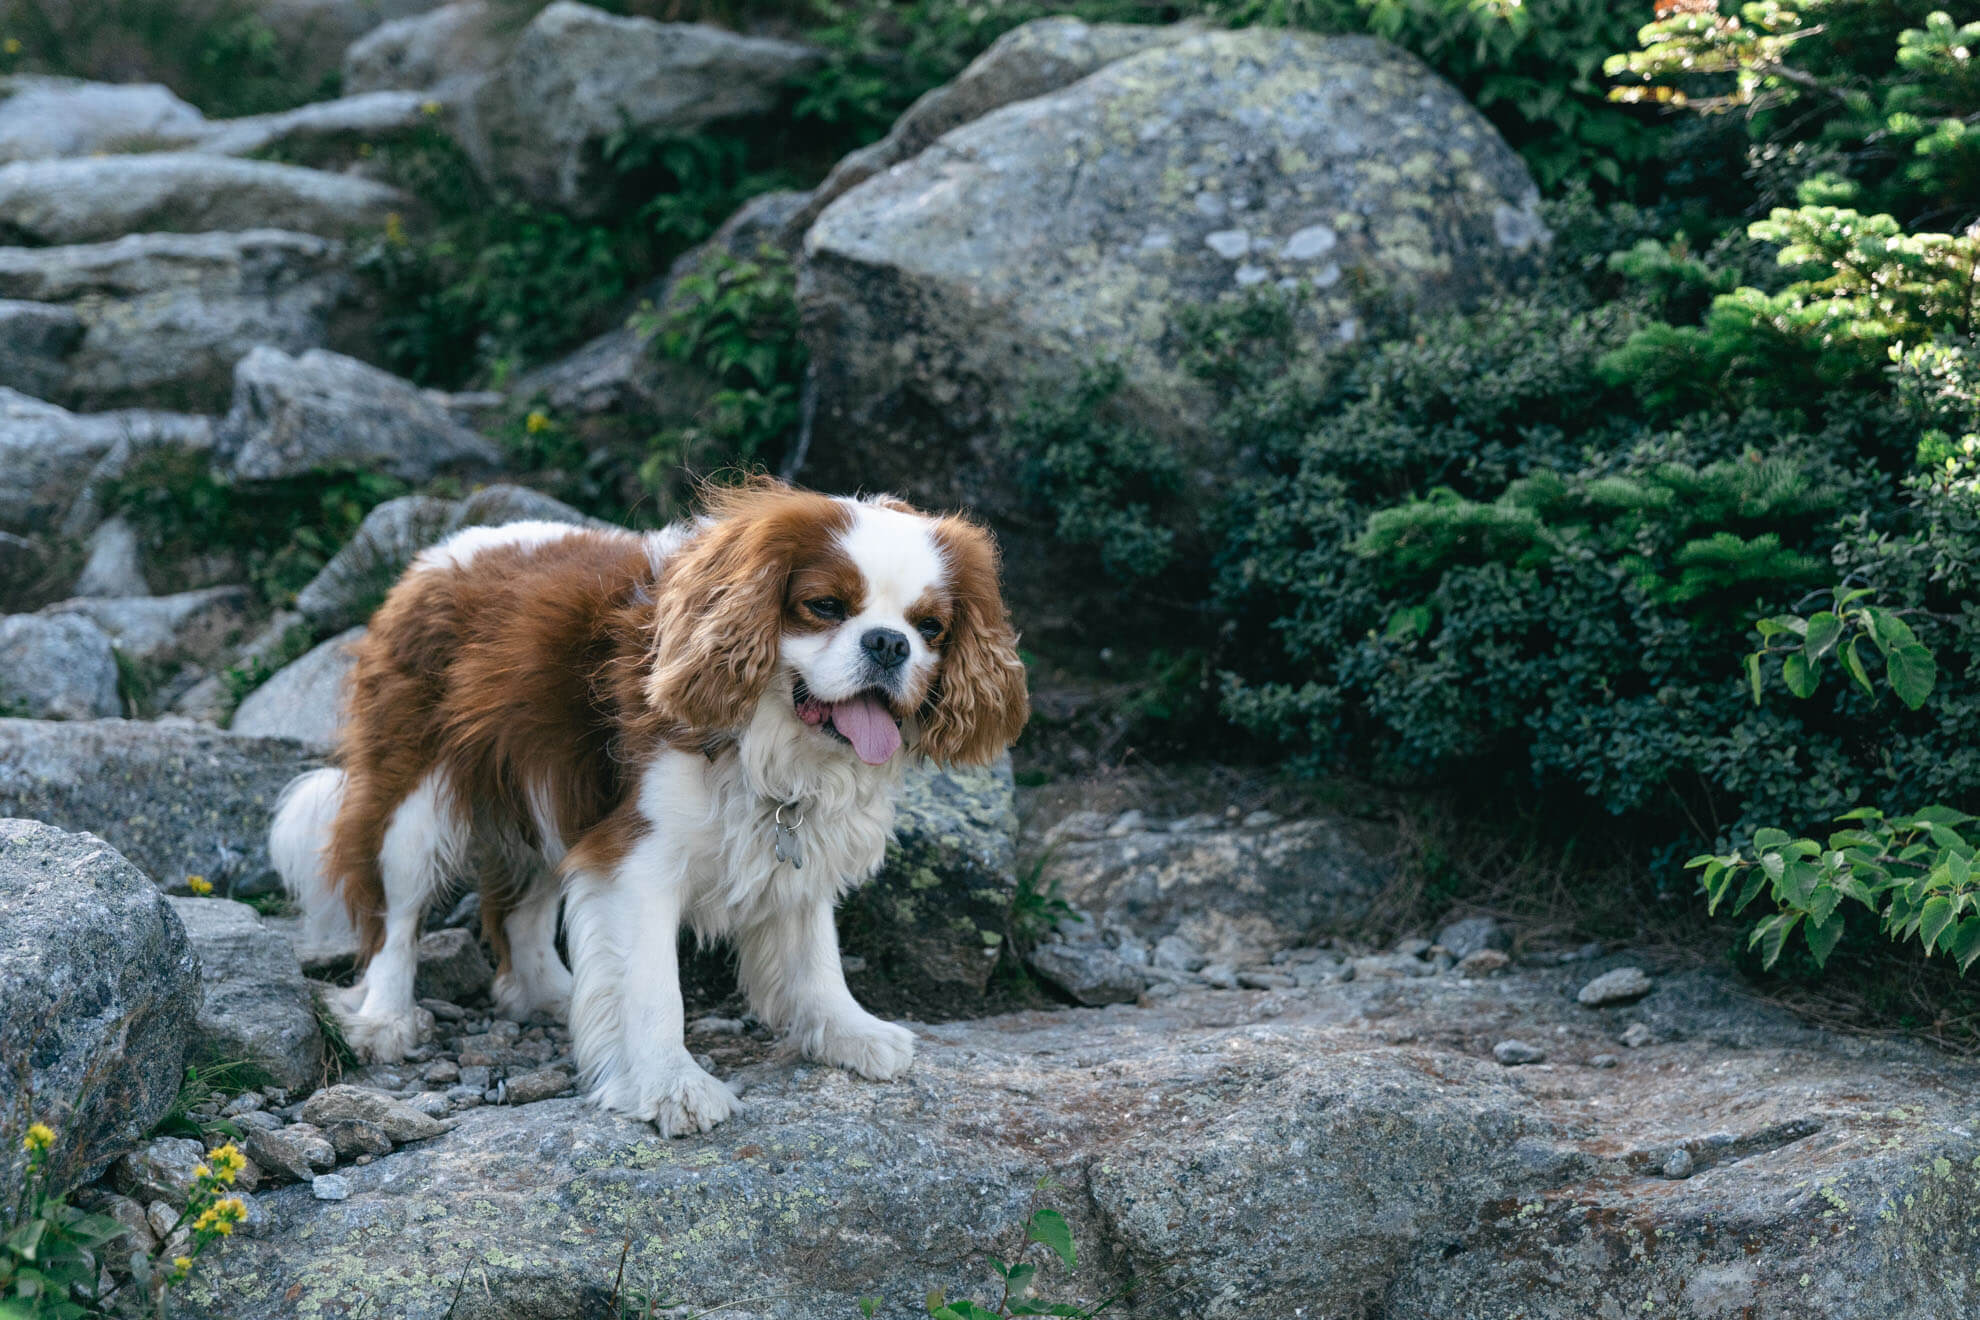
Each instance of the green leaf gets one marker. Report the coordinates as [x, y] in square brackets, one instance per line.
[1771, 936]
[1822, 938]
[1824, 630]
[1756, 881]
[1966, 943]
[1799, 674]
[1782, 623]
[868, 1305]
[1770, 838]
[1889, 631]
[1853, 661]
[1912, 672]
[1050, 1228]
[1020, 1278]
[1753, 674]
[1933, 919]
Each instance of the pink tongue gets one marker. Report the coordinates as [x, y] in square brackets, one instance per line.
[868, 727]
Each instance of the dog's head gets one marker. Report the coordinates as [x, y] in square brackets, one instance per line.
[877, 620]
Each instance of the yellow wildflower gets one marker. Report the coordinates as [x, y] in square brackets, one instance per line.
[12, 45]
[395, 229]
[537, 422]
[39, 1138]
[201, 1171]
[182, 1263]
[429, 107]
[221, 1216]
[199, 884]
[228, 1160]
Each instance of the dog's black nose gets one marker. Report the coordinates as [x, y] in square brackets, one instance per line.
[887, 648]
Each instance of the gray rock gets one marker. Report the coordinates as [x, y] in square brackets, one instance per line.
[937, 911]
[1177, 954]
[577, 76]
[326, 412]
[1620, 986]
[452, 967]
[1472, 934]
[56, 667]
[1603, 1060]
[104, 197]
[176, 799]
[1041, 56]
[1637, 1035]
[1231, 894]
[313, 34]
[47, 118]
[348, 1104]
[330, 1187]
[1264, 980]
[188, 625]
[257, 1009]
[315, 1148]
[161, 318]
[98, 988]
[532, 1087]
[354, 1137]
[444, 53]
[1679, 1164]
[131, 1215]
[365, 118]
[115, 566]
[162, 1169]
[1483, 962]
[1090, 973]
[36, 342]
[433, 1104]
[1220, 975]
[1167, 180]
[48, 455]
[1254, 1166]
[357, 577]
[1513, 1053]
[304, 699]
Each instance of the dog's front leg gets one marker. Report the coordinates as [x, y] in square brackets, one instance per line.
[796, 983]
[626, 1009]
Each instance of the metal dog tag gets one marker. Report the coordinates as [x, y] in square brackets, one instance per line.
[788, 846]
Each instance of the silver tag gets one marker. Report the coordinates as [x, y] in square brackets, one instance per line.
[789, 847]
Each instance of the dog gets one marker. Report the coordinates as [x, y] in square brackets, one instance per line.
[701, 727]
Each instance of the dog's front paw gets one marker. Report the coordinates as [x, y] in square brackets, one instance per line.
[676, 1096]
[864, 1045]
[520, 1000]
[386, 1039]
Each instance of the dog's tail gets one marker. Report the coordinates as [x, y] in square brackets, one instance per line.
[297, 839]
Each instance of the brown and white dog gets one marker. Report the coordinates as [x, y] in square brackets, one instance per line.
[703, 726]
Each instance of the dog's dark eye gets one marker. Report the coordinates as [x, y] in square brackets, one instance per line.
[929, 628]
[827, 607]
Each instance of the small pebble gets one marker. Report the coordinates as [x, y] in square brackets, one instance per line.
[1221, 975]
[477, 1076]
[1604, 1061]
[1617, 987]
[1483, 962]
[1261, 980]
[330, 1187]
[443, 1009]
[431, 1103]
[1513, 1053]
[442, 1072]
[1679, 1164]
[1260, 819]
[715, 1026]
[1413, 947]
[1636, 1036]
[852, 963]
[247, 1102]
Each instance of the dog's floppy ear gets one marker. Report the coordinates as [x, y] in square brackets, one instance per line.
[979, 703]
[720, 605]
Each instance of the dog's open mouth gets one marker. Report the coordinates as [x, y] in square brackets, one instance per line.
[862, 720]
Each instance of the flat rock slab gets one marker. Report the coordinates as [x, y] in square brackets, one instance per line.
[177, 799]
[48, 455]
[257, 1008]
[1348, 1150]
[98, 988]
[104, 197]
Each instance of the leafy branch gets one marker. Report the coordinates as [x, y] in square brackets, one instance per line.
[1803, 644]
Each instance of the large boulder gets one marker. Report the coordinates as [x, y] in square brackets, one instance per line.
[163, 318]
[256, 1011]
[49, 118]
[304, 699]
[354, 120]
[936, 914]
[323, 411]
[576, 77]
[36, 342]
[187, 625]
[444, 53]
[178, 800]
[1039, 57]
[50, 456]
[98, 990]
[98, 198]
[1339, 1151]
[1234, 893]
[1069, 229]
[56, 668]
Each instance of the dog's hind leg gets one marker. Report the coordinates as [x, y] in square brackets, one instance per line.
[423, 844]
